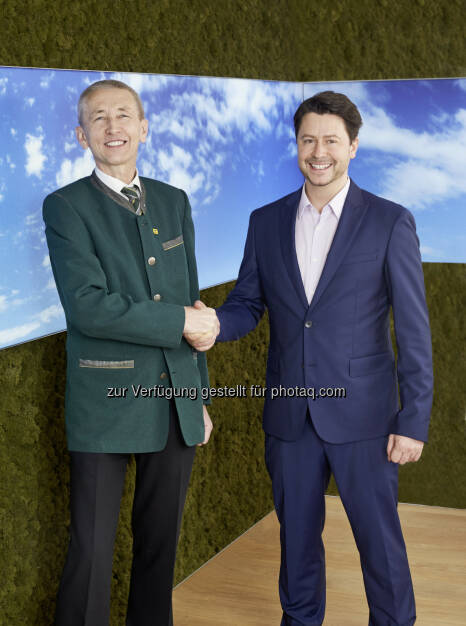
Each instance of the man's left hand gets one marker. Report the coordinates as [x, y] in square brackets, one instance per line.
[208, 426]
[403, 450]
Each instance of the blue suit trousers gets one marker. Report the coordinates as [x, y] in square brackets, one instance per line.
[368, 486]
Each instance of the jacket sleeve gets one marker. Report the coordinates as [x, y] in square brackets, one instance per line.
[82, 286]
[189, 238]
[414, 348]
[244, 306]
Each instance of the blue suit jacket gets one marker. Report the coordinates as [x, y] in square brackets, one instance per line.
[342, 339]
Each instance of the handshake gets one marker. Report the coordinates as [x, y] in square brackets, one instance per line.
[201, 326]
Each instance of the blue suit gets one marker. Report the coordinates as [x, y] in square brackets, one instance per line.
[340, 340]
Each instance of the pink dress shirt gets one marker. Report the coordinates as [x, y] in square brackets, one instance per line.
[314, 234]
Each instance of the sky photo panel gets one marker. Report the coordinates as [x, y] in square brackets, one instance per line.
[229, 143]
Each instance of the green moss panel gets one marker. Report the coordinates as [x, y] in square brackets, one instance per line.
[230, 489]
[273, 39]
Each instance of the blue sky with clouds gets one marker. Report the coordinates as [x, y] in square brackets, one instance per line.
[229, 143]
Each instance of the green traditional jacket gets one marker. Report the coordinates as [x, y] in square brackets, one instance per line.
[123, 280]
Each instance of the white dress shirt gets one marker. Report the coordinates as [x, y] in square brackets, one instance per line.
[314, 234]
[116, 184]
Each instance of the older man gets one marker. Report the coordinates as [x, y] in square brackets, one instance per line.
[122, 253]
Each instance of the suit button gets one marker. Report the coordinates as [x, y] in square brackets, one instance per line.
[163, 375]
[157, 297]
[308, 324]
[151, 260]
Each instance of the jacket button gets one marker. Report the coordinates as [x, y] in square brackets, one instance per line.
[151, 260]
[163, 375]
[308, 324]
[157, 297]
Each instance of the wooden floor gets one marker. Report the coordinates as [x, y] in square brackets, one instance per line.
[238, 587]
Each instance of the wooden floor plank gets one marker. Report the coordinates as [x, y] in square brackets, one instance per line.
[238, 587]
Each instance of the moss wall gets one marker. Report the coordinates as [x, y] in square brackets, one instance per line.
[276, 39]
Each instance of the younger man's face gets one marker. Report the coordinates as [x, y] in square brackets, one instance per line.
[324, 150]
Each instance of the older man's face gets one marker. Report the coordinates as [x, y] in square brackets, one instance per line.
[112, 129]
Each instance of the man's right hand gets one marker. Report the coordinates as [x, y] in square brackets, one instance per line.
[201, 326]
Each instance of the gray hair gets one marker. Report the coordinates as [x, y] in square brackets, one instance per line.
[107, 84]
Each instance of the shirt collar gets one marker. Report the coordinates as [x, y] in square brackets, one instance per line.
[336, 203]
[116, 184]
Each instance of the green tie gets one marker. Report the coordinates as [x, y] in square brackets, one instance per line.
[133, 196]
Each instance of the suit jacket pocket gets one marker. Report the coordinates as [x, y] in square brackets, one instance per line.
[360, 257]
[173, 243]
[109, 365]
[366, 365]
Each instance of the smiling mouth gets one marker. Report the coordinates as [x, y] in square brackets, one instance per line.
[319, 166]
[115, 143]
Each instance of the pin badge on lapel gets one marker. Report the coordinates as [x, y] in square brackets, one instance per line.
[155, 231]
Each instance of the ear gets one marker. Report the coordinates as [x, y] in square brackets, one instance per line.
[81, 137]
[354, 147]
[144, 130]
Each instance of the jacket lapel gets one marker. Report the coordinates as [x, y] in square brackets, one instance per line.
[287, 224]
[353, 212]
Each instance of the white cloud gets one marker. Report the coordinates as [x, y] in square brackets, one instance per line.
[292, 149]
[284, 130]
[165, 122]
[9, 302]
[31, 219]
[147, 169]
[13, 132]
[178, 156]
[417, 185]
[258, 170]
[461, 83]
[10, 162]
[50, 284]
[3, 86]
[206, 118]
[70, 145]
[174, 166]
[29, 101]
[73, 170]
[46, 261]
[143, 82]
[428, 251]
[51, 312]
[429, 166]
[35, 158]
[46, 80]
[14, 333]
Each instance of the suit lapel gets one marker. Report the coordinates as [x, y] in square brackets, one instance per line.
[287, 224]
[353, 212]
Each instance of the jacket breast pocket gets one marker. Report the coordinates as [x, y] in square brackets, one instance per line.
[173, 243]
[366, 365]
[360, 257]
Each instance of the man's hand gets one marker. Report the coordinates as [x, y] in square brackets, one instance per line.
[201, 326]
[403, 450]
[208, 426]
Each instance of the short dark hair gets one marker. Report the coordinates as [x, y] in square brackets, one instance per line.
[108, 84]
[331, 102]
